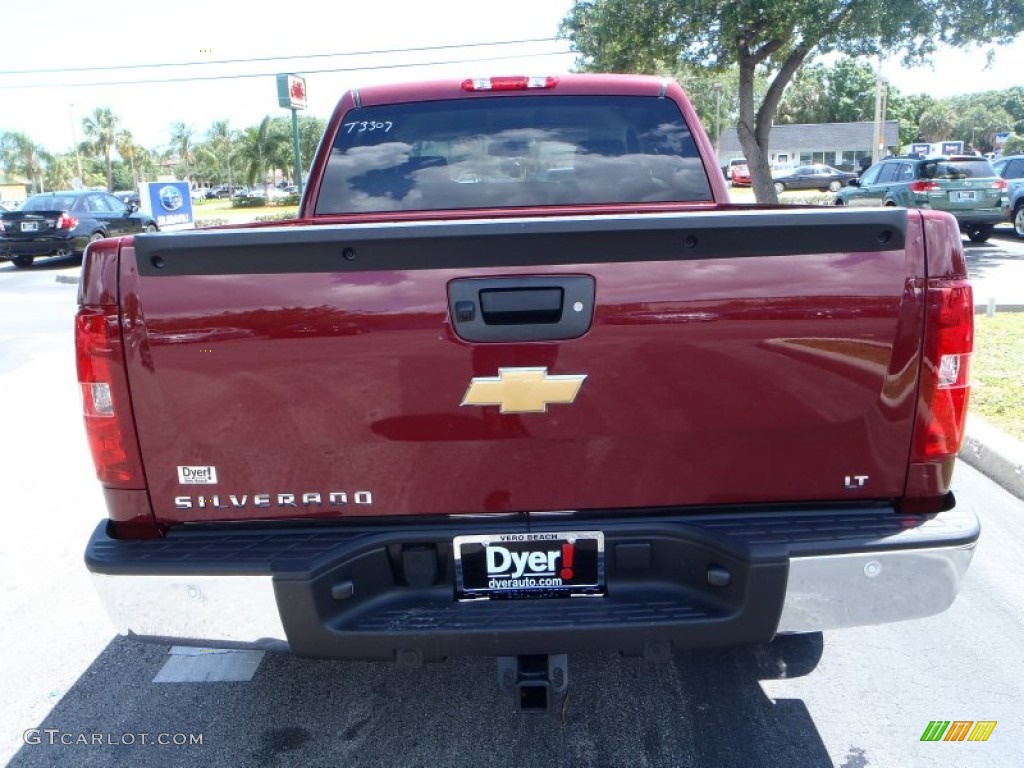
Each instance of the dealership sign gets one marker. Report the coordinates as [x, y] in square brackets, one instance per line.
[291, 91]
[169, 203]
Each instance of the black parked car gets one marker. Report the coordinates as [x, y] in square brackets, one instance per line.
[129, 197]
[64, 223]
[823, 177]
[221, 192]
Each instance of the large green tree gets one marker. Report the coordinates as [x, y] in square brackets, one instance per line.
[1014, 145]
[908, 110]
[842, 93]
[938, 122]
[181, 142]
[775, 37]
[22, 156]
[61, 171]
[311, 129]
[101, 130]
[220, 147]
[133, 154]
[262, 148]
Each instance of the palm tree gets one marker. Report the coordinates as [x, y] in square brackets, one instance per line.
[130, 152]
[101, 137]
[222, 139]
[22, 156]
[181, 142]
[259, 145]
[61, 171]
[282, 153]
[311, 129]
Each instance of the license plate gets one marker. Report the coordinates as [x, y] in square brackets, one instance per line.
[963, 197]
[30, 226]
[529, 565]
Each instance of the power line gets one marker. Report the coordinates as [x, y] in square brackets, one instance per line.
[209, 78]
[274, 58]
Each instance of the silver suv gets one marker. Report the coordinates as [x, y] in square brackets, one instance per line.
[965, 186]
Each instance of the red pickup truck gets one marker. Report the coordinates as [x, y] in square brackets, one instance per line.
[520, 382]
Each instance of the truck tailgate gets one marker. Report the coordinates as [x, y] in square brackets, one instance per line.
[729, 357]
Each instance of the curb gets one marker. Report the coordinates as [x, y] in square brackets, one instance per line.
[68, 279]
[995, 454]
[982, 309]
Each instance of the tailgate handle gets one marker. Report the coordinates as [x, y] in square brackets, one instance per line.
[521, 308]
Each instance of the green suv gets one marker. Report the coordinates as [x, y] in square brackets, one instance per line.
[966, 187]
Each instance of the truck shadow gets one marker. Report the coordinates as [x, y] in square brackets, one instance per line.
[699, 708]
[984, 258]
[44, 264]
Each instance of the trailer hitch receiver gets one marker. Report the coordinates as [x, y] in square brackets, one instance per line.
[533, 679]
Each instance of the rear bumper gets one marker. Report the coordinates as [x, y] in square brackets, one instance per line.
[46, 245]
[986, 216]
[356, 592]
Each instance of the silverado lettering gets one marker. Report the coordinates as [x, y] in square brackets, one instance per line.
[336, 498]
[773, 404]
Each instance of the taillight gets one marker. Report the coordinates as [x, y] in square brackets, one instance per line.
[519, 83]
[1000, 184]
[924, 186]
[945, 374]
[66, 222]
[106, 407]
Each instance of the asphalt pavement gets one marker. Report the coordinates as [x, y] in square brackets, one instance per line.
[997, 275]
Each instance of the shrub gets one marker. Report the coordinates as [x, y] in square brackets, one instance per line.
[248, 202]
[277, 216]
[817, 198]
[1014, 145]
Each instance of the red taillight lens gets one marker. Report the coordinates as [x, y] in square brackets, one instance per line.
[106, 408]
[518, 83]
[945, 376]
[924, 186]
[66, 222]
[1000, 184]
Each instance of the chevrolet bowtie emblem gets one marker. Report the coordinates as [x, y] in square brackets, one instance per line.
[523, 390]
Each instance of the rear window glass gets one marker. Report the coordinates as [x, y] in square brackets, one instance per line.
[512, 151]
[49, 203]
[957, 169]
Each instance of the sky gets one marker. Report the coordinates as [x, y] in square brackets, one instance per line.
[456, 38]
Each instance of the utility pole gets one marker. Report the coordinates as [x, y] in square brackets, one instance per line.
[291, 94]
[877, 135]
[885, 109]
[881, 102]
[718, 120]
[74, 143]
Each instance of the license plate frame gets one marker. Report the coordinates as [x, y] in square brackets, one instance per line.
[30, 226]
[963, 196]
[529, 565]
